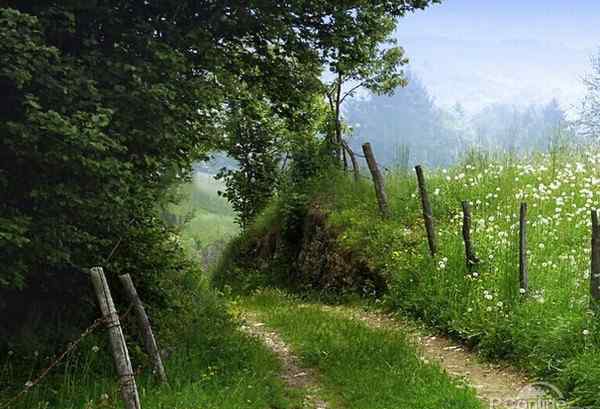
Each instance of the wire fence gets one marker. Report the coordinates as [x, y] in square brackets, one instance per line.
[70, 348]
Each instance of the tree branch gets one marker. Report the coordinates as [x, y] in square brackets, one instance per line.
[351, 91]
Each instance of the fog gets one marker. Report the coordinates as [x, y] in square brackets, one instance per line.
[486, 75]
[519, 52]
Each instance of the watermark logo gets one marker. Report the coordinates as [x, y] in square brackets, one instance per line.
[537, 395]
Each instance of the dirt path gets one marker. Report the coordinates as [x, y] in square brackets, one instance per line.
[294, 376]
[497, 386]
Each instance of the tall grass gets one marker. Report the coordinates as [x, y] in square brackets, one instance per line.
[552, 331]
[209, 362]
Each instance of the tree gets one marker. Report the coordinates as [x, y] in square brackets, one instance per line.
[252, 139]
[406, 122]
[368, 58]
[103, 105]
[589, 122]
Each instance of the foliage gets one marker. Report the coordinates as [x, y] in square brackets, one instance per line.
[82, 133]
[253, 136]
[369, 59]
[359, 367]
[355, 42]
[590, 110]
[105, 105]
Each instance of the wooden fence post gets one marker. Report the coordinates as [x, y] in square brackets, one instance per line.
[377, 181]
[595, 264]
[427, 212]
[355, 167]
[470, 256]
[144, 324]
[120, 353]
[523, 269]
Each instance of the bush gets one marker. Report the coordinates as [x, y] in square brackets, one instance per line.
[85, 158]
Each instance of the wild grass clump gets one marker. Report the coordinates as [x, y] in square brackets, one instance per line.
[546, 330]
[209, 362]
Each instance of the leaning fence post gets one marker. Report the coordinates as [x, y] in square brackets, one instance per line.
[427, 212]
[144, 324]
[523, 269]
[377, 181]
[595, 264]
[120, 353]
[470, 256]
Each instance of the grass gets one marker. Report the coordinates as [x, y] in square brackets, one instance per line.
[552, 331]
[211, 365]
[205, 228]
[207, 217]
[359, 367]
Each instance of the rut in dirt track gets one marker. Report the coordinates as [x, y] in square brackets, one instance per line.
[294, 375]
[496, 385]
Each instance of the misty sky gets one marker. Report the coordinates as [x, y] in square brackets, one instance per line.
[518, 51]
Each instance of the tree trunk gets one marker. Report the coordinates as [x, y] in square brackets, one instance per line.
[338, 124]
[355, 167]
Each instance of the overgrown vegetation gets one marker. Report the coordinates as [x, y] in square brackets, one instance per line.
[291, 245]
[552, 331]
[547, 331]
[359, 367]
[106, 105]
[210, 364]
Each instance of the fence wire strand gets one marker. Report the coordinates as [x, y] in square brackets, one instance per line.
[70, 348]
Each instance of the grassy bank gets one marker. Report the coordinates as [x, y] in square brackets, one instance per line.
[359, 367]
[551, 331]
[210, 364]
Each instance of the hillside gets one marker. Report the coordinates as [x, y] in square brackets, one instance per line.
[551, 330]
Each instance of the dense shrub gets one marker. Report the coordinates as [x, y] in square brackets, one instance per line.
[292, 245]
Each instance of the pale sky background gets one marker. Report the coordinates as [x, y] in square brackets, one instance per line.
[478, 52]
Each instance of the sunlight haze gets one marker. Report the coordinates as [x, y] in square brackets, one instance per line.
[481, 52]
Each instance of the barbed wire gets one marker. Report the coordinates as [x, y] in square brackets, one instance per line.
[377, 163]
[70, 348]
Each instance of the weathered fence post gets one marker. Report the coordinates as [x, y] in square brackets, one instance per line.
[120, 353]
[523, 269]
[377, 181]
[144, 324]
[595, 264]
[470, 256]
[427, 212]
[355, 167]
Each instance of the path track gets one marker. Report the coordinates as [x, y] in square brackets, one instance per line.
[294, 376]
[495, 384]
